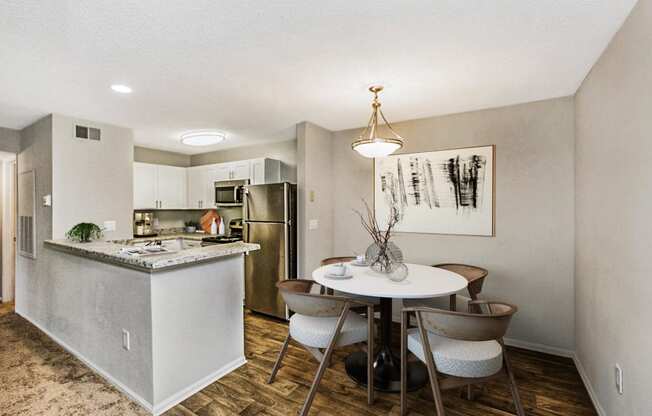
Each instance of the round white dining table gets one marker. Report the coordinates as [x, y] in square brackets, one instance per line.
[422, 282]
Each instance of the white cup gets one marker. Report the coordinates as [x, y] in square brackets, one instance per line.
[360, 258]
[338, 269]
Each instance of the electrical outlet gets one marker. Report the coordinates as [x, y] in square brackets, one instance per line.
[619, 379]
[313, 224]
[126, 343]
[109, 225]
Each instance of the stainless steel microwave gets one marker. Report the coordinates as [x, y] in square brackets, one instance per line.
[230, 193]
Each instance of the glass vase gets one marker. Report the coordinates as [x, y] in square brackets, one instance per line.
[383, 258]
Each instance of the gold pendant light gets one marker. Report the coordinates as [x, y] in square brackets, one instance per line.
[369, 143]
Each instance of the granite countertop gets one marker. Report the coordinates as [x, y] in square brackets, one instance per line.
[110, 252]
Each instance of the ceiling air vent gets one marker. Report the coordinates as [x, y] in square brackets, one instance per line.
[89, 133]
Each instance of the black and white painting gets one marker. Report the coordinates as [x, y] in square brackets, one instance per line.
[442, 192]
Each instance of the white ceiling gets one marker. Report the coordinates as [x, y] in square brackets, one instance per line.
[255, 68]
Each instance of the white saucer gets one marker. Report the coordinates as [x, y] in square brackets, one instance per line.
[337, 276]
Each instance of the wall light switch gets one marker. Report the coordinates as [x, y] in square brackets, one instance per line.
[313, 224]
[47, 201]
[126, 342]
[619, 379]
[109, 225]
[312, 196]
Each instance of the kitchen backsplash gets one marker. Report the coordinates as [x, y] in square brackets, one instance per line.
[177, 219]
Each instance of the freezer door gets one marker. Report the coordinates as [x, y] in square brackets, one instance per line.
[265, 267]
[267, 203]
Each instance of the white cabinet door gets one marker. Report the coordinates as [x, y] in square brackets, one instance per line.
[172, 187]
[197, 184]
[240, 170]
[265, 171]
[145, 183]
[257, 172]
[220, 172]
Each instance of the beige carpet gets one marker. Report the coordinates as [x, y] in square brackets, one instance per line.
[37, 377]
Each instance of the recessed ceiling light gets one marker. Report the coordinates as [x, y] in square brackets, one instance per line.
[202, 138]
[122, 89]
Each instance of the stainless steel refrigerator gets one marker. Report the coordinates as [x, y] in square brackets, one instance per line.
[269, 220]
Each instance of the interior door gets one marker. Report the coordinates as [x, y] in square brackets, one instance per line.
[172, 192]
[145, 179]
[265, 267]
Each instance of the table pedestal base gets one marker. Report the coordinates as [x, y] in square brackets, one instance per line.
[387, 371]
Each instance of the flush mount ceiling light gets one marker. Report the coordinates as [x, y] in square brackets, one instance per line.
[122, 89]
[369, 143]
[202, 138]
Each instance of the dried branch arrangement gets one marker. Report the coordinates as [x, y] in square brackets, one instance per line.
[370, 224]
[381, 238]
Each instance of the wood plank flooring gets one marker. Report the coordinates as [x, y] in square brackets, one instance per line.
[549, 386]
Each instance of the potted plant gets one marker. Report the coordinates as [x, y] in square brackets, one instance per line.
[191, 226]
[84, 232]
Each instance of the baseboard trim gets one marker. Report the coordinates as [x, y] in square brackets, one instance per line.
[189, 391]
[98, 370]
[211, 378]
[546, 349]
[166, 404]
[588, 385]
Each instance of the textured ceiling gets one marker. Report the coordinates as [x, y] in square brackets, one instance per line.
[255, 68]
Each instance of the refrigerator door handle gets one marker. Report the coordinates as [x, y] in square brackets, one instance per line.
[286, 231]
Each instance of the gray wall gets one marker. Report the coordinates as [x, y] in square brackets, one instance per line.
[530, 259]
[87, 181]
[9, 140]
[314, 175]
[614, 232]
[92, 180]
[285, 151]
[32, 287]
[160, 157]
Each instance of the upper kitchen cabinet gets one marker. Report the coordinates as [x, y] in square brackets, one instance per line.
[159, 187]
[172, 187]
[230, 171]
[145, 184]
[265, 171]
[240, 170]
[201, 191]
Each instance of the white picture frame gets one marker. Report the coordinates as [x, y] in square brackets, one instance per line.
[439, 192]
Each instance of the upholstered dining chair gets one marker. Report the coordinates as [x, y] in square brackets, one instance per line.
[459, 348]
[475, 277]
[319, 324]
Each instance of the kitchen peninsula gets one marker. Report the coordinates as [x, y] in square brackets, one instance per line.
[159, 327]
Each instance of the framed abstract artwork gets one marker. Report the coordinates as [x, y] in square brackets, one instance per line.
[440, 192]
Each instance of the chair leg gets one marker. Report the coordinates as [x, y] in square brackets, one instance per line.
[405, 322]
[281, 355]
[512, 385]
[370, 355]
[432, 371]
[469, 392]
[324, 364]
